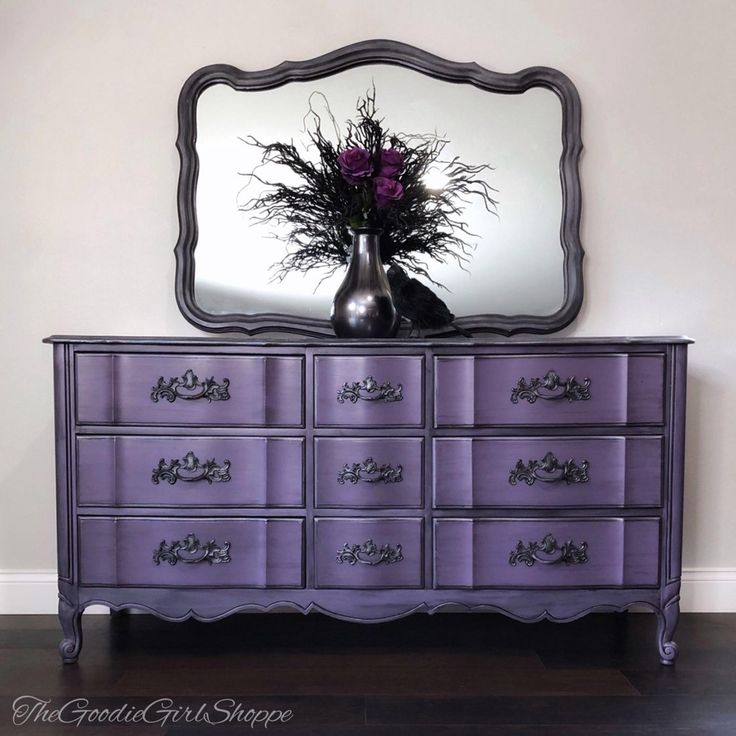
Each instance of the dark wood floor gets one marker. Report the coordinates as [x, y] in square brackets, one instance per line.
[441, 675]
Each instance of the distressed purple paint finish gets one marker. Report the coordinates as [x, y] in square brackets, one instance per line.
[401, 373]
[618, 471]
[400, 485]
[120, 471]
[477, 390]
[476, 553]
[454, 513]
[263, 390]
[264, 553]
[401, 568]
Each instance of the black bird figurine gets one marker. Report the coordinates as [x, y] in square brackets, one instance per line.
[418, 304]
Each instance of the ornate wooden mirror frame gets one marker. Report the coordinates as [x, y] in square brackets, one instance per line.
[399, 54]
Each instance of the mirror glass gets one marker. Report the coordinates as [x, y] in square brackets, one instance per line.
[516, 265]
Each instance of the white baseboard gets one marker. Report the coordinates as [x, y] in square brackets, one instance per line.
[32, 592]
[708, 590]
[704, 590]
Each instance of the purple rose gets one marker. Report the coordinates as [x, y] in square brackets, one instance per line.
[387, 191]
[391, 162]
[355, 165]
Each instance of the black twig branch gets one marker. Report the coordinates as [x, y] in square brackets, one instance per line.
[425, 224]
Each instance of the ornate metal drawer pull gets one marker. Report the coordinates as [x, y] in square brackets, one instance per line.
[369, 553]
[551, 388]
[190, 470]
[370, 472]
[541, 552]
[369, 390]
[549, 470]
[189, 388]
[191, 551]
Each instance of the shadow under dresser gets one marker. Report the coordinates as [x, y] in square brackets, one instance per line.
[369, 479]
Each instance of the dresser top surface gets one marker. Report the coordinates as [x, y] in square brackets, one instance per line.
[213, 340]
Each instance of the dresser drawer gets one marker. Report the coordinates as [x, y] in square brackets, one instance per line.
[549, 390]
[368, 472]
[368, 553]
[190, 471]
[243, 390]
[549, 471]
[253, 553]
[546, 553]
[369, 391]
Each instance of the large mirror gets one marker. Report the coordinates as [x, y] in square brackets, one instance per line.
[522, 270]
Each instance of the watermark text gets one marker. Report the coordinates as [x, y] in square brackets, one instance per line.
[28, 709]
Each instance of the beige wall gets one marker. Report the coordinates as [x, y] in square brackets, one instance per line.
[88, 176]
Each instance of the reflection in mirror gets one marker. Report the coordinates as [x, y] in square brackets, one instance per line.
[516, 264]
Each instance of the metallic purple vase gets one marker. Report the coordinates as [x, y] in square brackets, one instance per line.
[363, 306]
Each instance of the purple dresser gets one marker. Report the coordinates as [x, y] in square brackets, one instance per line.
[369, 480]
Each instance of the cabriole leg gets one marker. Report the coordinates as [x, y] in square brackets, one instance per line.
[70, 617]
[666, 624]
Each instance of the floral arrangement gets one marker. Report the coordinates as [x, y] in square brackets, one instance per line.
[376, 178]
[368, 177]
